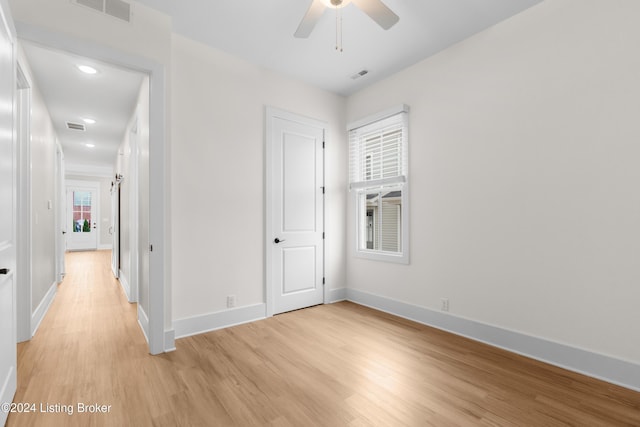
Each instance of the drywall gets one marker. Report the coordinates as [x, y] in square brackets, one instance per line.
[523, 168]
[217, 166]
[124, 168]
[134, 226]
[141, 136]
[148, 34]
[43, 193]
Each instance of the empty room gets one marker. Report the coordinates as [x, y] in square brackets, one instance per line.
[320, 212]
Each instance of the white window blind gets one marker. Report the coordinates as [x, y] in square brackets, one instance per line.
[378, 152]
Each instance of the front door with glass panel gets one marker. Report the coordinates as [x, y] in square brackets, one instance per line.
[82, 222]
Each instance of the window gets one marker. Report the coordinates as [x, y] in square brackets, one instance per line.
[81, 212]
[378, 166]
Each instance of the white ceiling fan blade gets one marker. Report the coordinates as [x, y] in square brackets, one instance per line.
[310, 19]
[378, 12]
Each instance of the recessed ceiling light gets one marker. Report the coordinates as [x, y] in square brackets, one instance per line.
[90, 145]
[89, 121]
[87, 69]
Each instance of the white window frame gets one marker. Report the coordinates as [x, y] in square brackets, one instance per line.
[400, 182]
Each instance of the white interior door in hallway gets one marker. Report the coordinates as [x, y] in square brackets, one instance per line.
[82, 220]
[295, 211]
[8, 363]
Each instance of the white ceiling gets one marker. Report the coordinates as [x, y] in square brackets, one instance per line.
[109, 97]
[261, 31]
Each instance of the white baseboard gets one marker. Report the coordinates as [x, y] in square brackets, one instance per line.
[39, 313]
[218, 320]
[169, 340]
[169, 335]
[125, 285]
[106, 247]
[143, 321]
[9, 384]
[336, 295]
[606, 368]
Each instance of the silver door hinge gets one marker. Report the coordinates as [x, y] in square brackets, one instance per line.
[322, 144]
[323, 281]
[323, 234]
[322, 190]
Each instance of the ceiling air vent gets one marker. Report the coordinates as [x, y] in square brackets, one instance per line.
[116, 8]
[360, 74]
[75, 126]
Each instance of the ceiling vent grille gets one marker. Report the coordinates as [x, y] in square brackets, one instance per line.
[116, 8]
[76, 126]
[360, 74]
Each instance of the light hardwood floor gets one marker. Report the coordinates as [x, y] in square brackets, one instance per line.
[332, 365]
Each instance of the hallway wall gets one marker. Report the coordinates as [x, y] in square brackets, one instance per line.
[43, 191]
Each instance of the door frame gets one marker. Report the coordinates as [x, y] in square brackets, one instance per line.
[94, 186]
[23, 205]
[160, 334]
[60, 217]
[9, 378]
[114, 228]
[271, 114]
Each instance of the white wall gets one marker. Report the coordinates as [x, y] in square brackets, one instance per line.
[142, 141]
[148, 34]
[135, 183]
[217, 166]
[525, 209]
[43, 191]
[125, 168]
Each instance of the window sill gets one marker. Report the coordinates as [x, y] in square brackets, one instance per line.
[402, 258]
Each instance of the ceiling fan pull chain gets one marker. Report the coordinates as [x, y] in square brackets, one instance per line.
[341, 31]
[336, 27]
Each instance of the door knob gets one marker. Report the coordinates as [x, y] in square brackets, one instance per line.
[4, 271]
[276, 240]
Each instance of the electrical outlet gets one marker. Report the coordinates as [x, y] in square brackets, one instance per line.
[444, 304]
[231, 301]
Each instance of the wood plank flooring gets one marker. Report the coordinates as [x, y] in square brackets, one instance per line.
[332, 365]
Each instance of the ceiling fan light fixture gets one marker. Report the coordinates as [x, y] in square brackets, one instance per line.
[87, 69]
[336, 4]
[375, 9]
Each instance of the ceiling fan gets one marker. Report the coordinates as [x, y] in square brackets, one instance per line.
[376, 10]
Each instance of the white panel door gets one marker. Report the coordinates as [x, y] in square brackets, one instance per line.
[295, 247]
[82, 219]
[8, 364]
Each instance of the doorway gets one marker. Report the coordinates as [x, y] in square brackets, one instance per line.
[152, 309]
[82, 223]
[295, 211]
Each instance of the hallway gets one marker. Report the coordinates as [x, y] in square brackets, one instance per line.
[87, 350]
